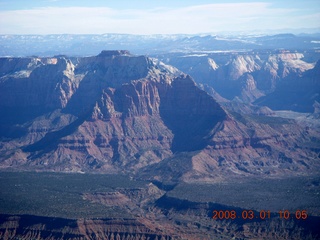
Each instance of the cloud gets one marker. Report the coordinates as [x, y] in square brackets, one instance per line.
[193, 19]
[55, 20]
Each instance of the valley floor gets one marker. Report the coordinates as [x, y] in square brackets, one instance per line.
[95, 206]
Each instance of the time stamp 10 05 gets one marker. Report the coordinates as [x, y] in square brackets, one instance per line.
[263, 214]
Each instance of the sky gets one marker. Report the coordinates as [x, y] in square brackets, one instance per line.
[157, 16]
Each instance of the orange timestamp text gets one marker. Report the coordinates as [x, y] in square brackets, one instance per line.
[263, 214]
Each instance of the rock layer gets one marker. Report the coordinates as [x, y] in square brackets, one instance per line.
[251, 75]
[117, 112]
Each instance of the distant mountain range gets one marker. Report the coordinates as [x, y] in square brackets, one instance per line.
[243, 67]
[279, 79]
[88, 45]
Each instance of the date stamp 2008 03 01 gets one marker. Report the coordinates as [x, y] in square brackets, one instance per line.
[263, 214]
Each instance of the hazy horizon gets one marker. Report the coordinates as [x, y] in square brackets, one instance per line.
[158, 17]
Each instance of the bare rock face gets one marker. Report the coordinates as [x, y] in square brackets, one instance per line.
[190, 115]
[111, 112]
[116, 112]
[243, 64]
[295, 92]
[249, 75]
[32, 86]
[267, 70]
[31, 227]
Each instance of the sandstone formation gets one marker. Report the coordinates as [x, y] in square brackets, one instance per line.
[297, 91]
[116, 112]
[256, 75]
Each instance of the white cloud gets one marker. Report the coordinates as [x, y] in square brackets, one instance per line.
[194, 19]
